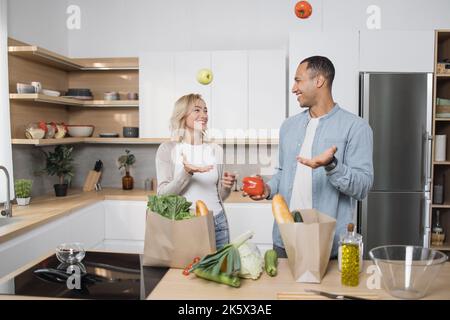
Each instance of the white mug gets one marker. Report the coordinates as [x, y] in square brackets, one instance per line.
[37, 86]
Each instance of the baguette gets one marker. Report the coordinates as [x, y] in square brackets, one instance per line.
[280, 210]
[201, 209]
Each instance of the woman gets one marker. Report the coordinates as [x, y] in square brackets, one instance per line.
[190, 167]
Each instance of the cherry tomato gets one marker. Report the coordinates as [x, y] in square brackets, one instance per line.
[186, 272]
[196, 259]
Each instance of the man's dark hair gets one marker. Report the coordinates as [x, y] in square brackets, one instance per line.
[321, 65]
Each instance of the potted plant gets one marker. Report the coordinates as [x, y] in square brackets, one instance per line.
[22, 187]
[59, 163]
[126, 161]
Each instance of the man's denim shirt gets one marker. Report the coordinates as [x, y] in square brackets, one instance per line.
[336, 192]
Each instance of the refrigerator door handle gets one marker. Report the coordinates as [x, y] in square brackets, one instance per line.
[426, 222]
[364, 95]
[427, 173]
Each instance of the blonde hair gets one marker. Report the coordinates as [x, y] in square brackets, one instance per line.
[180, 111]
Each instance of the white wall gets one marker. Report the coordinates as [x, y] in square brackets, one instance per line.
[5, 135]
[126, 27]
[39, 22]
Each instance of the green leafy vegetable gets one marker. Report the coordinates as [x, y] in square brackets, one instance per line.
[172, 206]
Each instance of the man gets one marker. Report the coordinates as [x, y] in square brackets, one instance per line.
[325, 153]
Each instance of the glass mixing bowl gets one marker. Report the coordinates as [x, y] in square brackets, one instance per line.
[407, 271]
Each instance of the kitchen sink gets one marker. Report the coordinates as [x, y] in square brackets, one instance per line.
[6, 221]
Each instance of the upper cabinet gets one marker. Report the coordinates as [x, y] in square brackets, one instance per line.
[156, 93]
[248, 90]
[267, 90]
[229, 92]
[397, 51]
[342, 49]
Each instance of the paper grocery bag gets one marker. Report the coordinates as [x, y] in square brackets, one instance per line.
[175, 243]
[308, 245]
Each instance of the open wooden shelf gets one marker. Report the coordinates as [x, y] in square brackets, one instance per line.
[36, 97]
[441, 206]
[40, 55]
[443, 75]
[47, 142]
[97, 140]
[126, 140]
[444, 247]
[441, 163]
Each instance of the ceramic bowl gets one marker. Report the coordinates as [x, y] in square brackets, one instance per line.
[80, 130]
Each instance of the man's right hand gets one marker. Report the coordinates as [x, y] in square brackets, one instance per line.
[259, 197]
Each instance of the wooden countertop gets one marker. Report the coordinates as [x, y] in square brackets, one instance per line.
[175, 286]
[48, 208]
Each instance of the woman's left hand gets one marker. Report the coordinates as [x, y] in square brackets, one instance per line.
[228, 180]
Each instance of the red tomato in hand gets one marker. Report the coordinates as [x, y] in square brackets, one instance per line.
[253, 186]
[303, 9]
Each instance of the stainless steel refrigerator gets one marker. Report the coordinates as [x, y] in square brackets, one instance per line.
[398, 107]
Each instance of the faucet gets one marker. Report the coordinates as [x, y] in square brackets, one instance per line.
[7, 210]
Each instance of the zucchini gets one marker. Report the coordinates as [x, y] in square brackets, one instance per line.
[232, 281]
[271, 262]
[297, 216]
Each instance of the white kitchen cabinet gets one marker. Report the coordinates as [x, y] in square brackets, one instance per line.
[125, 220]
[229, 93]
[267, 91]
[87, 226]
[251, 216]
[31, 245]
[156, 94]
[342, 48]
[397, 51]
[248, 90]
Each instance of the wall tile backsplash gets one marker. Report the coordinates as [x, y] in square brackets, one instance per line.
[28, 160]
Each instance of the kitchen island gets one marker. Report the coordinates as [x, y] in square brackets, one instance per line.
[123, 270]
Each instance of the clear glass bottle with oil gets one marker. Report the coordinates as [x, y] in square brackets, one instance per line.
[350, 246]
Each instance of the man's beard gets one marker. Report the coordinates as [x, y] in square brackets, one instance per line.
[304, 106]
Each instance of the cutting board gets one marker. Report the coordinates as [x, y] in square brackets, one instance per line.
[91, 180]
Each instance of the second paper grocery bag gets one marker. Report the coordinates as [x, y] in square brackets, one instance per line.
[308, 245]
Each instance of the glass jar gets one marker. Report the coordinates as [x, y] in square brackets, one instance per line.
[127, 181]
[437, 233]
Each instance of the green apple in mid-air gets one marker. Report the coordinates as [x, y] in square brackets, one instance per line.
[204, 76]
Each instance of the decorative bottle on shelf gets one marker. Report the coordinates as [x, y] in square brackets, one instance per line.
[127, 181]
[349, 247]
[147, 184]
[437, 235]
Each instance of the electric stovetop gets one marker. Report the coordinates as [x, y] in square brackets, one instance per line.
[100, 275]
